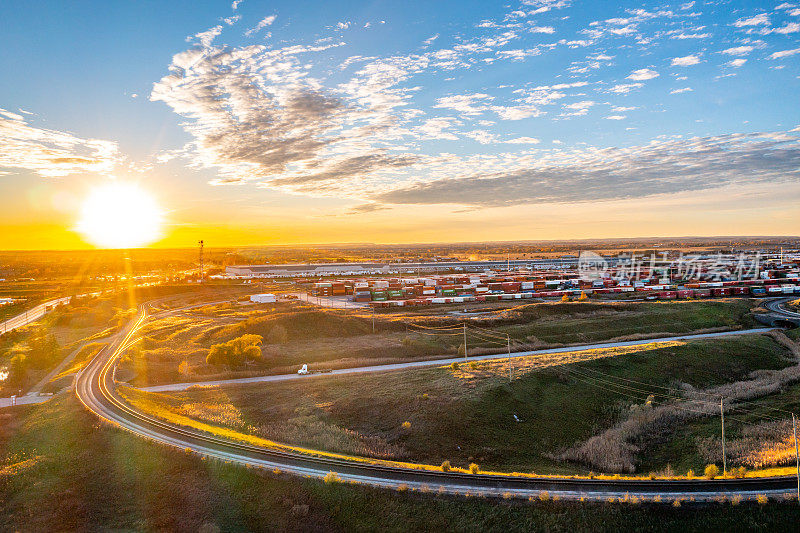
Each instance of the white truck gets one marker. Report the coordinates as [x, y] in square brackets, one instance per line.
[303, 370]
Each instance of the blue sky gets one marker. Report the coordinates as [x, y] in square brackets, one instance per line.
[342, 113]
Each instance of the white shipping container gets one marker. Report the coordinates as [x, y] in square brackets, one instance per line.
[263, 298]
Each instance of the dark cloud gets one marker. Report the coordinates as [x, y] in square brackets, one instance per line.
[612, 174]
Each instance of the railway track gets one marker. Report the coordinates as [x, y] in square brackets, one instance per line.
[96, 389]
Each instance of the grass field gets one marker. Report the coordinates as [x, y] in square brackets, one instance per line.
[466, 414]
[295, 334]
[60, 469]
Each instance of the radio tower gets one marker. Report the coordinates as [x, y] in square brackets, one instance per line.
[201, 260]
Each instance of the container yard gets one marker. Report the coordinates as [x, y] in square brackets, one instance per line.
[493, 286]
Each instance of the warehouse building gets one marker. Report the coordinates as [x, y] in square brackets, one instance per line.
[362, 269]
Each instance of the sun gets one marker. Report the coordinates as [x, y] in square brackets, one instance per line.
[120, 215]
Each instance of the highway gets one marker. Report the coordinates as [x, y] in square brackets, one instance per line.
[32, 315]
[96, 389]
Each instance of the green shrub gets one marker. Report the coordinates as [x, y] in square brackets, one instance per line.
[446, 466]
[711, 471]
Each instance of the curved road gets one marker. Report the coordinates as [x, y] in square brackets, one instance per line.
[95, 387]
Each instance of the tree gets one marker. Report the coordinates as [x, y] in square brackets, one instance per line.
[42, 348]
[236, 352]
[565, 298]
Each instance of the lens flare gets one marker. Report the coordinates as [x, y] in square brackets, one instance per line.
[120, 215]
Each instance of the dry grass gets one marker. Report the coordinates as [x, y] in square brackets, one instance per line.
[523, 365]
[614, 450]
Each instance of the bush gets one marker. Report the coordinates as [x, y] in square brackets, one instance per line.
[332, 477]
[406, 425]
[474, 468]
[762, 499]
[446, 466]
[454, 365]
[711, 471]
[739, 471]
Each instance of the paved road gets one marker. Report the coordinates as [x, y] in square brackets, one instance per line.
[332, 301]
[96, 388]
[447, 360]
[24, 400]
[32, 315]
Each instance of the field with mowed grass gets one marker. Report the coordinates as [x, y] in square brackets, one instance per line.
[174, 348]
[61, 469]
[533, 416]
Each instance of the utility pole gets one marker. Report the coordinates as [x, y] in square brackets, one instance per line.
[510, 368]
[722, 415]
[465, 339]
[796, 455]
[200, 242]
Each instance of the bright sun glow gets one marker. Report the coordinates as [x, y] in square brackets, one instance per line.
[120, 215]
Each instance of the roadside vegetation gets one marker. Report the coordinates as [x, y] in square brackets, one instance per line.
[475, 412]
[175, 348]
[29, 353]
[60, 469]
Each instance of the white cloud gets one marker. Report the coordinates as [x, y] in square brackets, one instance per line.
[784, 53]
[685, 61]
[757, 20]
[664, 166]
[542, 29]
[467, 104]
[266, 21]
[789, 27]
[51, 153]
[235, 4]
[736, 63]
[643, 74]
[207, 37]
[584, 104]
[616, 117]
[622, 109]
[683, 36]
[523, 140]
[482, 136]
[682, 90]
[738, 50]
[625, 88]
